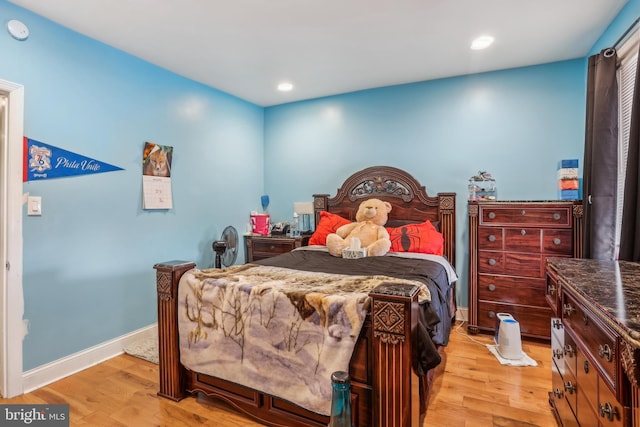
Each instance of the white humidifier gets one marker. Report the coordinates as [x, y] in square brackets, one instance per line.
[507, 337]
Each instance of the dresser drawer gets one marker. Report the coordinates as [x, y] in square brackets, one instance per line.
[512, 290]
[272, 247]
[610, 412]
[551, 216]
[598, 343]
[490, 238]
[587, 378]
[560, 401]
[557, 242]
[511, 263]
[522, 239]
[534, 321]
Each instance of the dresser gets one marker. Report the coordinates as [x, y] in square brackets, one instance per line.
[261, 247]
[595, 341]
[509, 242]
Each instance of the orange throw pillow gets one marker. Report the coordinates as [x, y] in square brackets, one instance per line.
[421, 238]
[328, 224]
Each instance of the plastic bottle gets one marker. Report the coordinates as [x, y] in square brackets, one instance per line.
[340, 400]
[295, 227]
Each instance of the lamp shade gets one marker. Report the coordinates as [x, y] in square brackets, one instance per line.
[303, 208]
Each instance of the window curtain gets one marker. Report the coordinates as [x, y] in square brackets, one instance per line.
[630, 230]
[600, 157]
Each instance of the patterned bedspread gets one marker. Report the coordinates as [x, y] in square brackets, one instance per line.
[273, 329]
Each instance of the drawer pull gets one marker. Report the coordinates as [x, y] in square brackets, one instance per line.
[557, 323]
[492, 261]
[558, 393]
[272, 247]
[551, 290]
[557, 241]
[556, 216]
[569, 351]
[585, 319]
[523, 232]
[605, 352]
[523, 212]
[568, 310]
[569, 387]
[607, 411]
[492, 287]
[492, 215]
[492, 238]
[491, 314]
[558, 353]
[586, 367]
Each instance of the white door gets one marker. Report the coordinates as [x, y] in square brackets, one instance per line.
[11, 297]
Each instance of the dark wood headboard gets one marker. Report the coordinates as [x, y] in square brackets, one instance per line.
[408, 198]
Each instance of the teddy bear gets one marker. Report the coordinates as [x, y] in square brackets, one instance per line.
[369, 228]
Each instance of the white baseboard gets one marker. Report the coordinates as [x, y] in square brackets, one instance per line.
[61, 368]
[462, 313]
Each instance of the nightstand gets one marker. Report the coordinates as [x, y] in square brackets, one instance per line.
[261, 247]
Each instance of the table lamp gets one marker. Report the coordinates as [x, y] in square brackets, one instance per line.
[305, 212]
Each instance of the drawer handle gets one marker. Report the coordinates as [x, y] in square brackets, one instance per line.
[605, 352]
[558, 353]
[585, 319]
[586, 367]
[492, 287]
[568, 310]
[492, 261]
[551, 290]
[491, 314]
[558, 393]
[569, 387]
[569, 351]
[556, 216]
[492, 215]
[557, 241]
[523, 232]
[492, 238]
[557, 323]
[523, 212]
[608, 411]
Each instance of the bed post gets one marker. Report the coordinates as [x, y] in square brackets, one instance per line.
[170, 372]
[394, 314]
[447, 213]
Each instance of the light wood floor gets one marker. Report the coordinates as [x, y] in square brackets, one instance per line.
[475, 391]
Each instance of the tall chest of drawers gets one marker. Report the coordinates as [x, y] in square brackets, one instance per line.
[509, 242]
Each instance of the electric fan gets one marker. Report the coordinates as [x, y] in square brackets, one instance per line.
[226, 248]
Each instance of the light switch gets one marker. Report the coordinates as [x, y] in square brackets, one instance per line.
[34, 205]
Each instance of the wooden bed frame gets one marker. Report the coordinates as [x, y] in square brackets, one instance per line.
[385, 391]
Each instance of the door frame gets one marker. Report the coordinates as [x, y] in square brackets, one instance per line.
[12, 328]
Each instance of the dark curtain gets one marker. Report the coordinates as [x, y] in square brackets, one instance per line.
[630, 233]
[600, 157]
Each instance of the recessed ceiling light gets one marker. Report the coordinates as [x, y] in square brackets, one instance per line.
[285, 87]
[481, 42]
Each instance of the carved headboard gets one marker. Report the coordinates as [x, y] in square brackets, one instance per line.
[409, 200]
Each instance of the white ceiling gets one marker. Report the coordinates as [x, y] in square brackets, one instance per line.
[326, 47]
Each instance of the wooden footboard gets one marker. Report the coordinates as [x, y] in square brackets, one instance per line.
[385, 390]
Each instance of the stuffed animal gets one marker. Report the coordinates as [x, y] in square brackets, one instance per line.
[369, 228]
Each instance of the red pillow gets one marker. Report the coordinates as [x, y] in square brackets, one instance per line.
[328, 224]
[421, 238]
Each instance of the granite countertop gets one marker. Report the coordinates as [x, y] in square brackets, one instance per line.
[613, 287]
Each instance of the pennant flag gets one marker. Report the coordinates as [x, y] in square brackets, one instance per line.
[44, 161]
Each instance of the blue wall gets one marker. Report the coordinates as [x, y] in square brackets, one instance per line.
[88, 260]
[515, 124]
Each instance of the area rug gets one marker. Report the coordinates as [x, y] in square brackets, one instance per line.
[146, 349]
